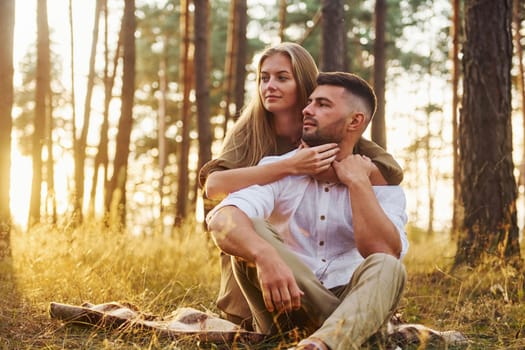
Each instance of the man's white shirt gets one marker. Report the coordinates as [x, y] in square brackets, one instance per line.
[315, 220]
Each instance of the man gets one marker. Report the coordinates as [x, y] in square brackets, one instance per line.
[320, 253]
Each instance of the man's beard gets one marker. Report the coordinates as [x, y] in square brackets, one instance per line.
[332, 133]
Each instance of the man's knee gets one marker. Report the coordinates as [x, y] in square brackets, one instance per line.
[388, 266]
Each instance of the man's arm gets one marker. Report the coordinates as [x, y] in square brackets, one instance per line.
[373, 230]
[234, 233]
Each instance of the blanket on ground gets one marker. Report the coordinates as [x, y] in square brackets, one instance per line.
[206, 327]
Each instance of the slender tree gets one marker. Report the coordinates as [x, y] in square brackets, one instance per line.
[73, 91]
[51, 204]
[230, 62]
[116, 199]
[517, 19]
[456, 204]
[202, 77]
[241, 16]
[378, 123]
[333, 29]
[488, 186]
[41, 93]
[186, 81]
[163, 102]
[80, 155]
[282, 19]
[7, 24]
[102, 158]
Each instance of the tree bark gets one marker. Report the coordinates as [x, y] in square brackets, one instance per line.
[333, 34]
[282, 19]
[457, 204]
[488, 186]
[378, 123]
[41, 93]
[230, 62]
[117, 187]
[7, 24]
[241, 16]
[186, 79]
[202, 77]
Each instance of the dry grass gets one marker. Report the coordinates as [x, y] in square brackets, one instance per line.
[159, 274]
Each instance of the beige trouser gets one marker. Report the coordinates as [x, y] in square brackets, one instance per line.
[230, 300]
[344, 317]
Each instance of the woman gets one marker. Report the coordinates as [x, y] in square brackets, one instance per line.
[271, 124]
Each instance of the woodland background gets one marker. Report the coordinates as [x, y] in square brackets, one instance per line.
[117, 144]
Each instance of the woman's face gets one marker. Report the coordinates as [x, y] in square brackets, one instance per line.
[277, 87]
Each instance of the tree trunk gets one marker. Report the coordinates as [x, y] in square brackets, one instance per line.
[202, 77]
[7, 24]
[102, 158]
[80, 156]
[41, 92]
[229, 63]
[73, 94]
[520, 78]
[51, 204]
[163, 101]
[333, 29]
[457, 204]
[282, 19]
[240, 65]
[488, 186]
[117, 186]
[378, 123]
[517, 12]
[186, 79]
[202, 80]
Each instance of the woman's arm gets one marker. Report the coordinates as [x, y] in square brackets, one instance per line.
[387, 171]
[306, 161]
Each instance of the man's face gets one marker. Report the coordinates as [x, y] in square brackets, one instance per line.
[325, 116]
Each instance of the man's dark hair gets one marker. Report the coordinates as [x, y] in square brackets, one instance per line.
[353, 84]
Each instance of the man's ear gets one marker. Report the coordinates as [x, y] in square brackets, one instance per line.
[357, 121]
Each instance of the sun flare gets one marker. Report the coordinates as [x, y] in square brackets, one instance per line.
[21, 174]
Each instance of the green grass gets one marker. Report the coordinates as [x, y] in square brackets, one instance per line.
[160, 273]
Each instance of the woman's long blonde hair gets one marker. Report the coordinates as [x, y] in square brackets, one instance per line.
[253, 135]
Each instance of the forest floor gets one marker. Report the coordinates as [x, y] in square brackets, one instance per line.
[159, 274]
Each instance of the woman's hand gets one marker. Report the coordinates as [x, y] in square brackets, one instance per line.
[313, 160]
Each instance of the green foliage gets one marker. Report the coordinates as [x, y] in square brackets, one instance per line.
[25, 98]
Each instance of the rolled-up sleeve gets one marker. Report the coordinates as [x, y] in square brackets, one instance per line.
[255, 201]
[393, 202]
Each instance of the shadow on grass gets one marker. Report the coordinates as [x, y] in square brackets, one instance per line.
[10, 303]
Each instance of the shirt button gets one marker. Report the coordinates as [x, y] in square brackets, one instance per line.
[322, 217]
[323, 260]
[321, 243]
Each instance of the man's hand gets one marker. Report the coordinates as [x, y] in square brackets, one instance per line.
[234, 233]
[279, 288]
[354, 168]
